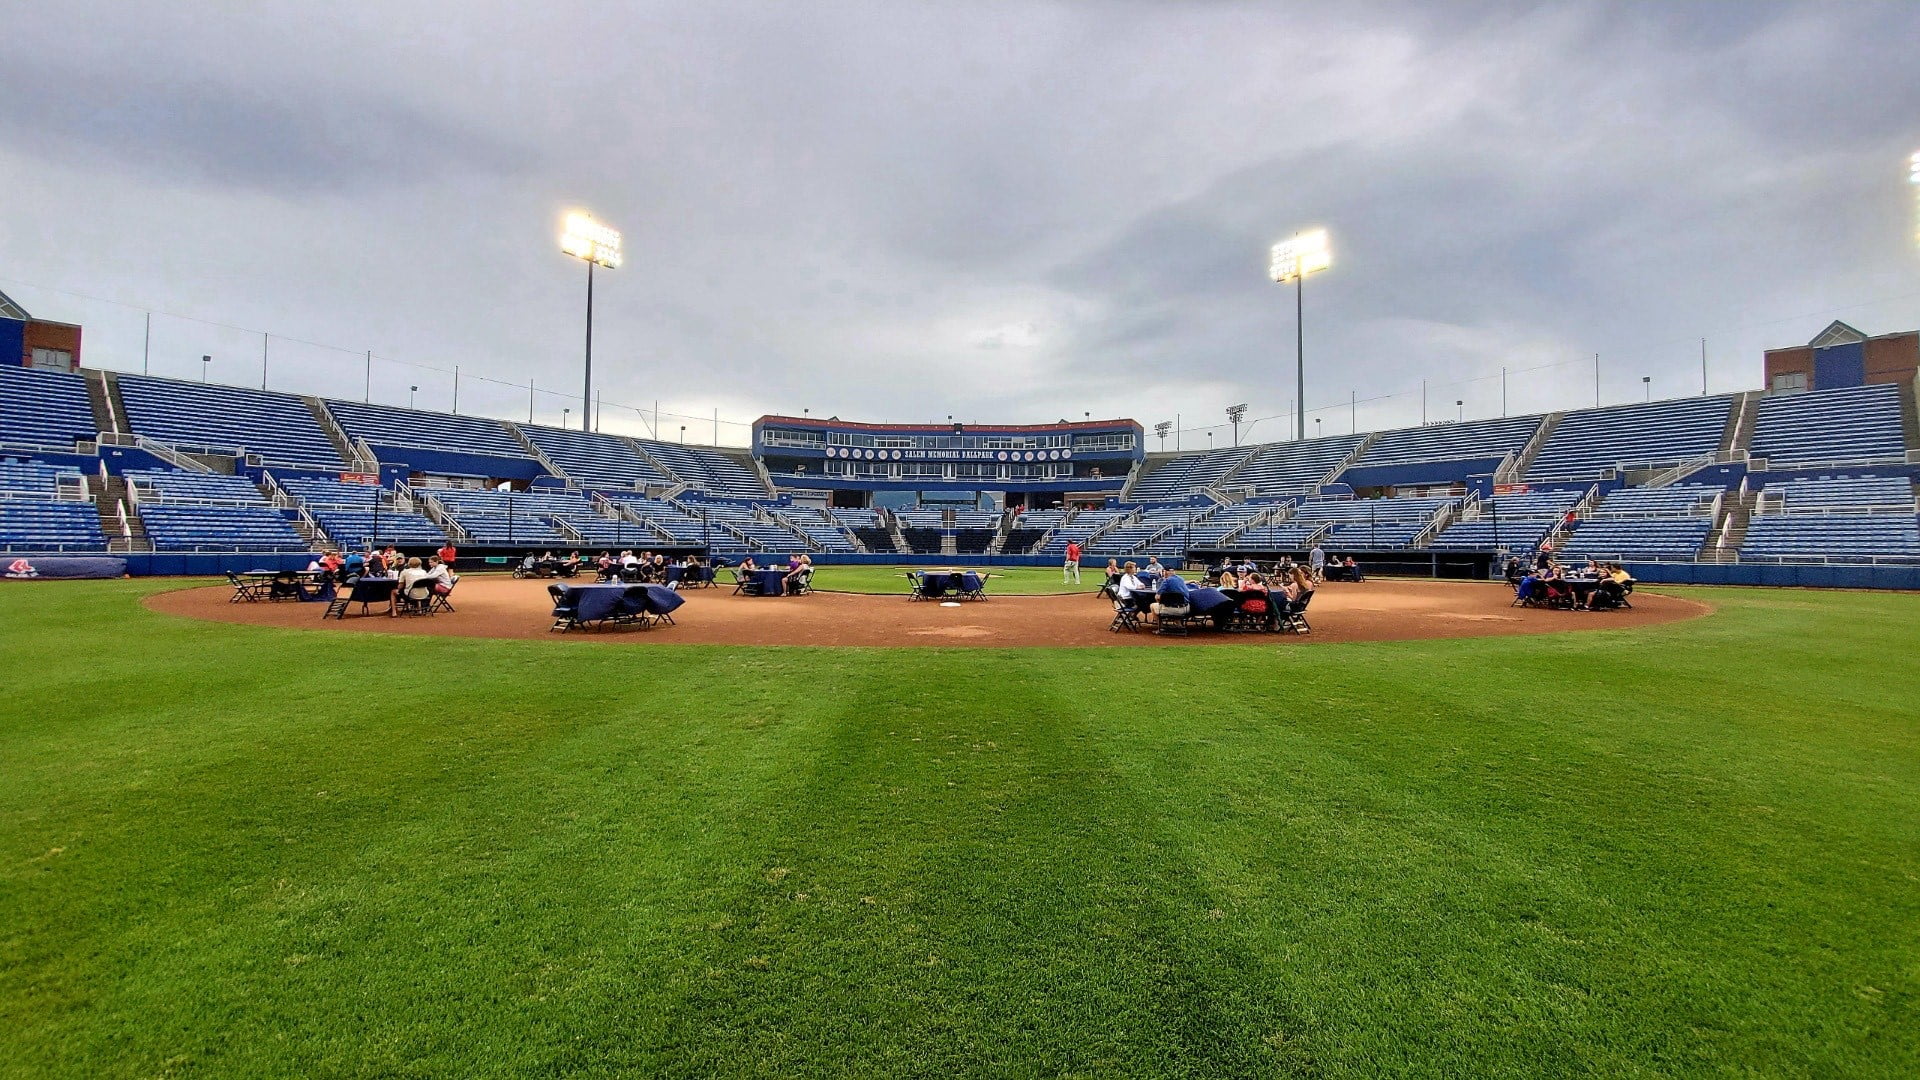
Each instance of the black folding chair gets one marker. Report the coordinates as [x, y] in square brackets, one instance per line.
[1125, 617]
[248, 592]
[417, 600]
[443, 601]
[566, 608]
[1294, 619]
[1172, 617]
[803, 585]
[633, 608]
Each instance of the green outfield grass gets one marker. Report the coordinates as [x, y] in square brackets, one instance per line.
[1691, 850]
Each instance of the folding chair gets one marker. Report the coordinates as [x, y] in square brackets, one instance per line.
[246, 591]
[416, 601]
[1125, 617]
[979, 589]
[633, 608]
[566, 608]
[804, 584]
[442, 601]
[1252, 612]
[1294, 619]
[1172, 618]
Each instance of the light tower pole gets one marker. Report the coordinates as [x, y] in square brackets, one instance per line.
[1235, 414]
[1292, 260]
[596, 245]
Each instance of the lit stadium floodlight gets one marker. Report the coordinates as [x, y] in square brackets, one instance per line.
[1235, 414]
[1913, 177]
[1292, 260]
[596, 245]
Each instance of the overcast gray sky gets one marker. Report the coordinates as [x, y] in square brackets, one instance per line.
[1006, 211]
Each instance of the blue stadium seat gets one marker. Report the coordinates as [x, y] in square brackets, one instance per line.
[384, 425]
[1664, 433]
[226, 420]
[1857, 423]
[44, 408]
[594, 459]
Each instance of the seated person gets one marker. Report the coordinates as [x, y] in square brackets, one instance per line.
[1171, 597]
[1154, 567]
[354, 567]
[413, 575]
[1529, 588]
[798, 567]
[1353, 569]
[1131, 590]
[1253, 598]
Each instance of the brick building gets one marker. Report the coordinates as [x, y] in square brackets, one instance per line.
[38, 343]
[1843, 356]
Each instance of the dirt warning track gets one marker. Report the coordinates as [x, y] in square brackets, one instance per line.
[1378, 610]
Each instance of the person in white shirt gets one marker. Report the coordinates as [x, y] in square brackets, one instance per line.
[1131, 586]
[1154, 567]
[1317, 562]
[412, 575]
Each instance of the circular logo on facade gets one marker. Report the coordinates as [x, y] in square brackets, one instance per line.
[896, 455]
[1066, 453]
[1001, 456]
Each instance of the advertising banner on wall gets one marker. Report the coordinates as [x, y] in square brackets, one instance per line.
[25, 568]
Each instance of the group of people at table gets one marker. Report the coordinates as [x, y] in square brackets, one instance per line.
[370, 576]
[1597, 586]
[1231, 595]
[644, 568]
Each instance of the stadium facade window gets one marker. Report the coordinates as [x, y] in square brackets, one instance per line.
[1095, 443]
[52, 359]
[1790, 382]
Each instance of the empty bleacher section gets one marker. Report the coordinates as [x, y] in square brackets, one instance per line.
[1823, 537]
[357, 514]
[595, 460]
[388, 429]
[1080, 526]
[1859, 423]
[1646, 523]
[1293, 468]
[187, 511]
[866, 525]
[1587, 443]
[1217, 529]
[676, 525]
[544, 517]
[707, 470]
[1846, 519]
[1157, 531]
[36, 518]
[1376, 524]
[1515, 523]
[1185, 475]
[745, 521]
[1838, 493]
[824, 532]
[44, 408]
[207, 418]
[1440, 452]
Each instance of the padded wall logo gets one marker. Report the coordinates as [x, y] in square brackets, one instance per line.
[21, 568]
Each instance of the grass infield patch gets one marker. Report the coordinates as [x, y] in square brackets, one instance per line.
[1685, 850]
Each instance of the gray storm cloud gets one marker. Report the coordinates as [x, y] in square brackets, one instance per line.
[1002, 211]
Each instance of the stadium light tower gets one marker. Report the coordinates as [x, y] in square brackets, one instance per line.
[1306, 253]
[1235, 414]
[596, 245]
[1163, 429]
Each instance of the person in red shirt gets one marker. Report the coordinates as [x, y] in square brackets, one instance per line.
[1070, 572]
[447, 555]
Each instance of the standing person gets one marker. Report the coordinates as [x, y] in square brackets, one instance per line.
[447, 554]
[1070, 570]
[1317, 562]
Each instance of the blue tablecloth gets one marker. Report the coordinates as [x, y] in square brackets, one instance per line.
[1207, 601]
[366, 590]
[770, 582]
[939, 583]
[594, 603]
